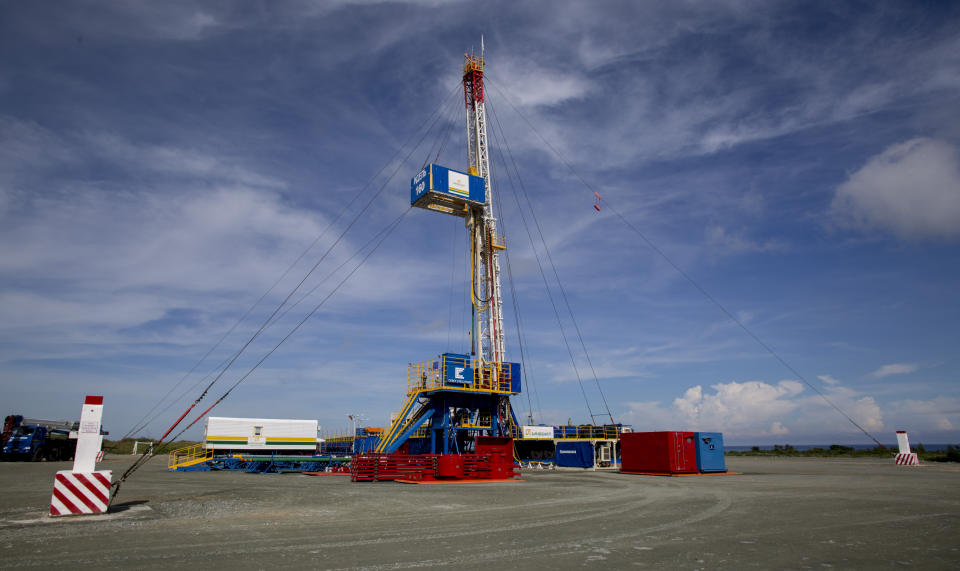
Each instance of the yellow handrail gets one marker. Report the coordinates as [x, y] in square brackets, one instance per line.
[187, 456]
[488, 378]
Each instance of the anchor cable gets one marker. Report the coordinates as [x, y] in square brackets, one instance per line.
[687, 277]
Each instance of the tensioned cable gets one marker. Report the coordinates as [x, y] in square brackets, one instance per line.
[453, 243]
[520, 335]
[322, 281]
[563, 291]
[513, 295]
[138, 426]
[546, 285]
[396, 170]
[149, 454]
[309, 293]
[687, 277]
[319, 237]
[447, 135]
[453, 271]
[356, 218]
[383, 234]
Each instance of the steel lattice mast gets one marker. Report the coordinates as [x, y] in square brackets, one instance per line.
[488, 341]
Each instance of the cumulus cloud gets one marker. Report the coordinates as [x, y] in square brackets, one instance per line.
[763, 411]
[895, 369]
[778, 429]
[737, 403]
[935, 418]
[733, 407]
[911, 189]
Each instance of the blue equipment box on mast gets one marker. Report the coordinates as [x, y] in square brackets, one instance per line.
[446, 190]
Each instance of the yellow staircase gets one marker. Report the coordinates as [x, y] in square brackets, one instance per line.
[188, 456]
[399, 424]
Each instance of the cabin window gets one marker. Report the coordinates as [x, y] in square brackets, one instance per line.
[257, 431]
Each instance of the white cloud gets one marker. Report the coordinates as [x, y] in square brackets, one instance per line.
[778, 429]
[895, 369]
[721, 239]
[866, 412]
[529, 84]
[911, 188]
[732, 407]
[175, 162]
[828, 379]
[934, 420]
[107, 266]
[653, 102]
[759, 411]
[218, 238]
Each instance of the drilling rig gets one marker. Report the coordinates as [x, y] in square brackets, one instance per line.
[455, 400]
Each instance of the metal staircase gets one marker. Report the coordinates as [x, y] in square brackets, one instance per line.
[192, 456]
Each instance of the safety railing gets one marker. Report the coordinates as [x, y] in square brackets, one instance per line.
[460, 373]
[337, 444]
[587, 432]
[188, 455]
[473, 63]
[598, 432]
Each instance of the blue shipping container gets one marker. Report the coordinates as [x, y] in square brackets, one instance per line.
[710, 452]
[574, 454]
[448, 183]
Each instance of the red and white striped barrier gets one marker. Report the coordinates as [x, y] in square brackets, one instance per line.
[905, 457]
[909, 459]
[76, 493]
[84, 490]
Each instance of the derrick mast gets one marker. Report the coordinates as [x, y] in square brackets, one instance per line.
[488, 342]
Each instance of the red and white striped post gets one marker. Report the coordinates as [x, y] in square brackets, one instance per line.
[905, 457]
[84, 490]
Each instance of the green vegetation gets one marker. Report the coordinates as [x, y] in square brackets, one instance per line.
[951, 454]
[125, 446]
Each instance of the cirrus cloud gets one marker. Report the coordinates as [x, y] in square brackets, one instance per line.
[895, 369]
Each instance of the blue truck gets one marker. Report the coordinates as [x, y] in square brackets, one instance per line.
[35, 439]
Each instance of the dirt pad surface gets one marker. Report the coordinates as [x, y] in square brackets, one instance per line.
[795, 513]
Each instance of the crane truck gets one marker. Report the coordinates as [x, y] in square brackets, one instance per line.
[37, 439]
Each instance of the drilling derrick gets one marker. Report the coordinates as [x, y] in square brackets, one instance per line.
[488, 322]
[454, 398]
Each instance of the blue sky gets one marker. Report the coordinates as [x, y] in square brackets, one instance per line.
[163, 164]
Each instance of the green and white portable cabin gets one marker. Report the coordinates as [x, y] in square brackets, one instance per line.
[260, 435]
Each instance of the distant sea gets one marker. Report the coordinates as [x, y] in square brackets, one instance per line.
[928, 447]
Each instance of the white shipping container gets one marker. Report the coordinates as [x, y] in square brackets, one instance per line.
[220, 433]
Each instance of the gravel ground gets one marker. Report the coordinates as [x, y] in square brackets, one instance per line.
[790, 513]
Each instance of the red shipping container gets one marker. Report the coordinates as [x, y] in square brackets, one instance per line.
[658, 452]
